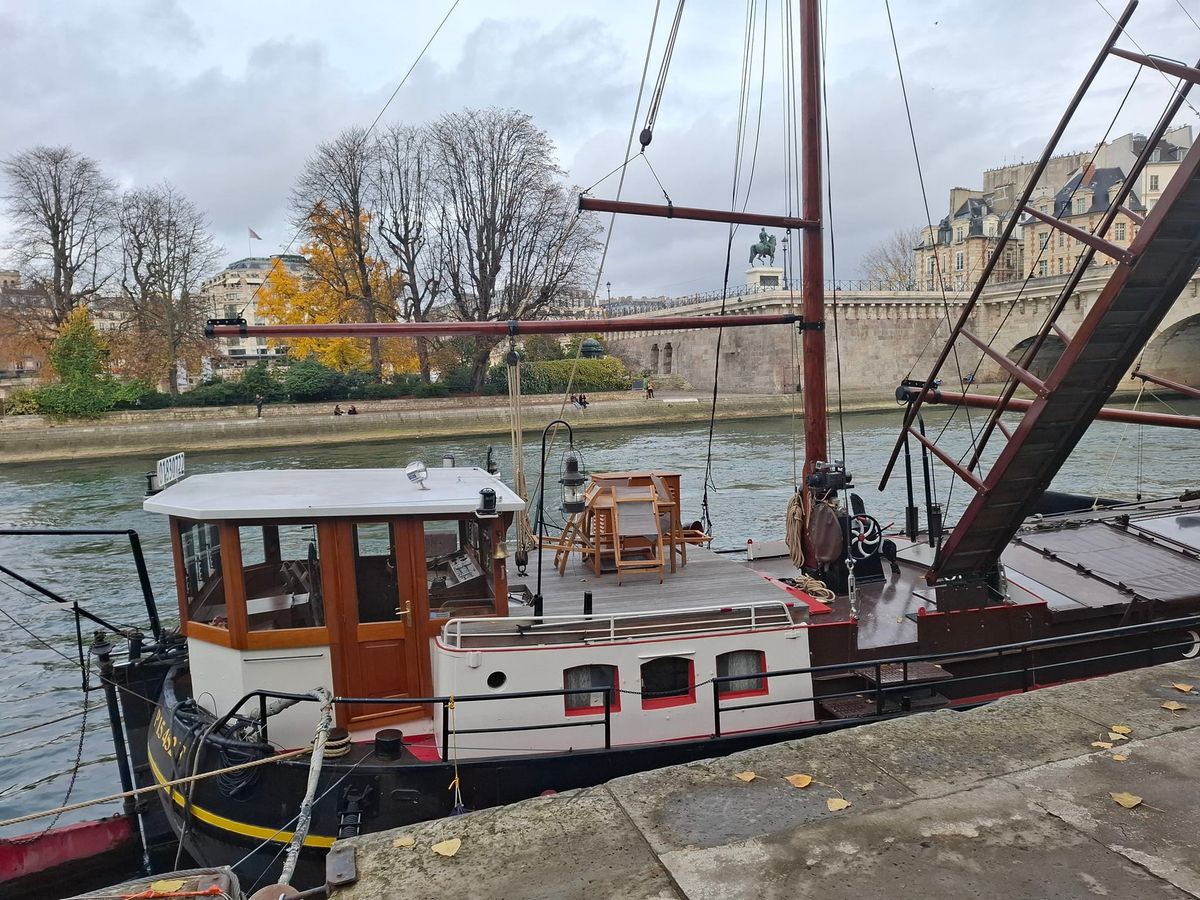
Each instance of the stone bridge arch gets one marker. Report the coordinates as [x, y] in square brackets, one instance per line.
[1174, 353]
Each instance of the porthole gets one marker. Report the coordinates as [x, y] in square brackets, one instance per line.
[496, 680]
[1192, 651]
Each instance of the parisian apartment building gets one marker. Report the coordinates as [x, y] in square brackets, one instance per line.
[1075, 187]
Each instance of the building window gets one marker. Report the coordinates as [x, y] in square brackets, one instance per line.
[929, 284]
[1062, 239]
[1045, 238]
[929, 264]
[742, 662]
[668, 681]
[1042, 267]
[1154, 182]
[597, 679]
[958, 261]
[958, 235]
[667, 359]
[1060, 265]
[1120, 234]
[1080, 205]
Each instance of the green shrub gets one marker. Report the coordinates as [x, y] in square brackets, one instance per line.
[551, 377]
[458, 380]
[437, 389]
[21, 402]
[307, 381]
[139, 395]
[76, 398]
[259, 379]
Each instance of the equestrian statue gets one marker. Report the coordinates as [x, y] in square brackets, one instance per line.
[764, 249]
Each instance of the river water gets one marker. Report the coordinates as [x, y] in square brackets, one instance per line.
[752, 471]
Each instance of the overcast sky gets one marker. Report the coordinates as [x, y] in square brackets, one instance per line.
[226, 99]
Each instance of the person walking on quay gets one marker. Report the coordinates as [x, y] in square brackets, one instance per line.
[649, 389]
[258, 405]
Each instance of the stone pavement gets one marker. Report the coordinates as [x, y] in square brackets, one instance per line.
[1009, 800]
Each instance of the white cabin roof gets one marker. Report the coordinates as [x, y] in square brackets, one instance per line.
[319, 493]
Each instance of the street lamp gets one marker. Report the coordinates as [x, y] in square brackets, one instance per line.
[608, 290]
[572, 481]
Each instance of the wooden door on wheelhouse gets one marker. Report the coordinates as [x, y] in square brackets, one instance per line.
[376, 650]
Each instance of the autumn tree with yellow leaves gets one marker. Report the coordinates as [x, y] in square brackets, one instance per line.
[329, 291]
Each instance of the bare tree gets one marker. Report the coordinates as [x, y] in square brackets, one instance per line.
[166, 249]
[64, 212]
[511, 240]
[405, 201]
[331, 203]
[892, 261]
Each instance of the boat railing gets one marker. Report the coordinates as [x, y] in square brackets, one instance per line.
[650, 624]
[1025, 672]
[447, 704]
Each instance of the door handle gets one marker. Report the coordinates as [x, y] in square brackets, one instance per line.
[407, 612]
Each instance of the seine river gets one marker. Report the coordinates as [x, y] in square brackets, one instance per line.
[752, 466]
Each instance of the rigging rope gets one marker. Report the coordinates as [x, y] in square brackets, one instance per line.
[517, 426]
[647, 134]
[384, 109]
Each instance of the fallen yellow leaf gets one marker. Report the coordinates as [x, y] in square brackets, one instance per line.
[1103, 745]
[836, 804]
[1121, 729]
[447, 848]
[799, 781]
[1182, 688]
[1116, 736]
[1173, 705]
[745, 776]
[1129, 801]
[404, 843]
[1120, 757]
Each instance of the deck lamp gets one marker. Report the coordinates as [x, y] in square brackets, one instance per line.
[487, 504]
[572, 481]
[447, 460]
[417, 473]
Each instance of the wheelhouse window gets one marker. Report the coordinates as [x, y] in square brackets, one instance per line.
[458, 565]
[668, 681]
[597, 679]
[204, 584]
[749, 663]
[375, 573]
[281, 571]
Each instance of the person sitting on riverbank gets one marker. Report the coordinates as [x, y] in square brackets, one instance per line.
[583, 401]
[575, 401]
[352, 411]
[337, 409]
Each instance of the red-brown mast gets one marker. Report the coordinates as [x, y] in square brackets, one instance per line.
[812, 250]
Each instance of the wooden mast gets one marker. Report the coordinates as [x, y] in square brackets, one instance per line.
[812, 250]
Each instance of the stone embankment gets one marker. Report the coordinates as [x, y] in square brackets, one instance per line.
[1011, 800]
[35, 438]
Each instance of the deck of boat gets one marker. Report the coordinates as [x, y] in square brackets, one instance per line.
[708, 579]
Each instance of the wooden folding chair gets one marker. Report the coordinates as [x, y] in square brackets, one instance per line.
[637, 532]
[668, 507]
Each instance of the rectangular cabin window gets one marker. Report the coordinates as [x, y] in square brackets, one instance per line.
[597, 679]
[742, 662]
[281, 570]
[203, 582]
[375, 573]
[668, 681]
[458, 565]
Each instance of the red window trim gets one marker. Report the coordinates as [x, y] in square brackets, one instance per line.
[681, 699]
[762, 667]
[597, 710]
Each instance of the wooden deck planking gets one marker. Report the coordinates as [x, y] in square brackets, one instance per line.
[708, 579]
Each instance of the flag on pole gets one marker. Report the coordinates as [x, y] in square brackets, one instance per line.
[253, 234]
